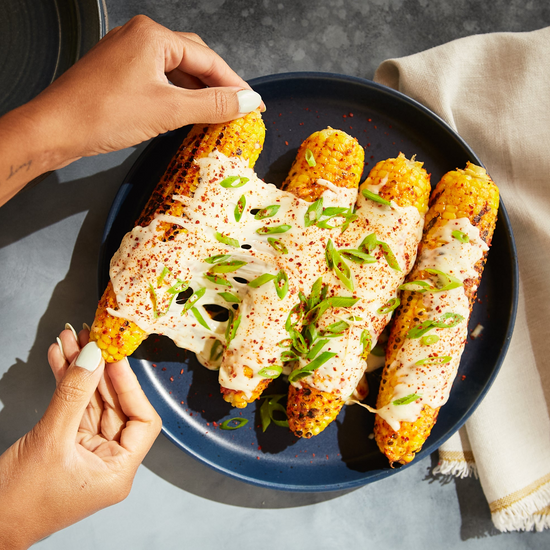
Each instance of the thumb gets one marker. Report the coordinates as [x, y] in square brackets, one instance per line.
[74, 392]
[212, 105]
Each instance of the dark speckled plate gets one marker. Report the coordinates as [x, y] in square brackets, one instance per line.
[41, 39]
[187, 395]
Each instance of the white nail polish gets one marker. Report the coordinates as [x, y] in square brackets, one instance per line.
[61, 348]
[70, 327]
[249, 100]
[86, 326]
[90, 357]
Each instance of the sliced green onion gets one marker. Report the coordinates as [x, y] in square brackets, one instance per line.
[315, 313]
[163, 274]
[411, 398]
[389, 306]
[460, 236]
[226, 240]
[333, 211]
[217, 280]
[288, 355]
[217, 259]
[350, 218]
[314, 212]
[286, 343]
[154, 300]
[429, 339]
[178, 286]
[358, 257]
[366, 342]
[230, 297]
[336, 328]
[261, 280]
[271, 372]
[240, 422]
[271, 230]
[298, 342]
[437, 360]
[233, 182]
[417, 286]
[310, 159]
[227, 267]
[239, 209]
[329, 254]
[449, 281]
[316, 348]
[296, 313]
[390, 256]
[369, 243]
[193, 299]
[232, 327]
[315, 295]
[281, 284]
[374, 197]
[339, 266]
[269, 407]
[278, 245]
[267, 212]
[216, 351]
[200, 318]
[298, 374]
[440, 322]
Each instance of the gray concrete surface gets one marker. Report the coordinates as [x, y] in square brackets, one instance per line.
[49, 243]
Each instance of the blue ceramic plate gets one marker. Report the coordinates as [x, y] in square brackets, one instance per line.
[187, 396]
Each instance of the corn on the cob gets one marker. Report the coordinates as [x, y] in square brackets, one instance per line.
[461, 198]
[242, 137]
[310, 410]
[328, 154]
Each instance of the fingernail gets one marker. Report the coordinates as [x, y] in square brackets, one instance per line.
[85, 326]
[89, 357]
[61, 348]
[68, 326]
[249, 100]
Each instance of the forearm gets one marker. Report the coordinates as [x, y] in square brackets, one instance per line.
[31, 143]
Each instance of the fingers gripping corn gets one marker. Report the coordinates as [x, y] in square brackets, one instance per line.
[364, 265]
[115, 335]
[430, 328]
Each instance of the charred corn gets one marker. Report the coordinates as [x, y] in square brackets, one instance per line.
[311, 407]
[243, 138]
[429, 331]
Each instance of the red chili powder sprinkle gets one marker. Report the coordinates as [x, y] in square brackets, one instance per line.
[163, 368]
[181, 371]
[171, 378]
[154, 365]
[286, 142]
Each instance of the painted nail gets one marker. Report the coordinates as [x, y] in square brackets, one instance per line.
[249, 100]
[90, 357]
[61, 348]
[70, 327]
[85, 326]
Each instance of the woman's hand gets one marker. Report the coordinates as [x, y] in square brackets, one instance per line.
[83, 454]
[118, 95]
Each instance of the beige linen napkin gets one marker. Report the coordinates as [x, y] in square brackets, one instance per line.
[494, 90]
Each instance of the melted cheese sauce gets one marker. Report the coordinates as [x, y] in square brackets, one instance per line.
[433, 382]
[146, 296]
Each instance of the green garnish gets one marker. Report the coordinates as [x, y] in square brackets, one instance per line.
[271, 230]
[200, 318]
[440, 322]
[217, 259]
[217, 280]
[437, 360]
[286, 343]
[278, 245]
[313, 213]
[230, 297]
[227, 266]
[267, 212]
[449, 281]
[374, 197]
[316, 348]
[413, 286]
[226, 240]
[261, 280]
[239, 209]
[335, 329]
[232, 327]
[310, 159]
[389, 306]
[298, 374]
[271, 372]
[411, 398]
[358, 257]
[233, 182]
[176, 288]
[370, 242]
[193, 299]
[366, 341]
[281, 284]
[240, 422]
[163, 274]
[315, 313]
[429, 339]
[460, 236]
[216, 351]
[269, 407]
[336, 263]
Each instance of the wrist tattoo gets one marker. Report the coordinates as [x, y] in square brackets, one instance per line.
[16, 169]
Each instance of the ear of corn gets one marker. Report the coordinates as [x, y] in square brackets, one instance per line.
[404, 181]
[242, 137]
[467, 194]
[338, 158]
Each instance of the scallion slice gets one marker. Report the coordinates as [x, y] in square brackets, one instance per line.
[460, 236]
[310, 159]
[261, 280]
[278, 245]
[216, 351]
[224, 239]
[269, 407]
[316, 348]
[375, 197]
[449, 281]
[272, 230]
[336, 329]
[271, 372]
[217, 259]
[411, 398]
[193, 299]
[239, 423]
[163, 274]
[230, 297]
[239, 209]
[200, 318]
[447, 320]
[366, 342]
[267, 212]
[281, 284]
[313, 213]
[217, 280]
[233, 182]
[358, 257]
[320, 360]
[437, 360]
[429, 339]
[227, 266]
[388, 307]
